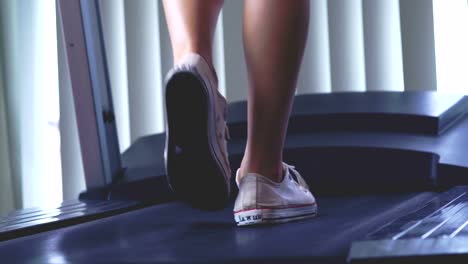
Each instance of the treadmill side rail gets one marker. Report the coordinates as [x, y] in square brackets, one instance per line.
[91, 91]
[437, 231]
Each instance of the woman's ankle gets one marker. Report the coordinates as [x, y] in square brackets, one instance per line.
[181, 53]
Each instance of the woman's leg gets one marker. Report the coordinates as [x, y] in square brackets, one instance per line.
[191, 26]
[275, 33]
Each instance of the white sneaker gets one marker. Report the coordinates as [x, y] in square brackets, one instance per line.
[196, 156]
[261, 200]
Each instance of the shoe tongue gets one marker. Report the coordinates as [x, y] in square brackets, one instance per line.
[287, 173]
[291, 172]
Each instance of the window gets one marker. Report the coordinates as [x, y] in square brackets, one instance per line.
[451, 44]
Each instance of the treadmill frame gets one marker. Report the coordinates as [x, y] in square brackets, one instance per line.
[86, 57]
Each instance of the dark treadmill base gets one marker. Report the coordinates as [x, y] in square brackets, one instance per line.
[174, 233]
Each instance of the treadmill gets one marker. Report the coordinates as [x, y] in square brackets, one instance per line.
[389, 171]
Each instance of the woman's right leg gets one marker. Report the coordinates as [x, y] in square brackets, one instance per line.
[275, 34]
[270, 191]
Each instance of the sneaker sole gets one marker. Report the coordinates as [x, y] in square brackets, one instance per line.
[274, 216]
[194, 171]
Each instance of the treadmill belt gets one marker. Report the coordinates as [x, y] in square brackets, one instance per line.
[175, 233]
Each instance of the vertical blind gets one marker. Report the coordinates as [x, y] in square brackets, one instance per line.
[353, 45]
[29, 116]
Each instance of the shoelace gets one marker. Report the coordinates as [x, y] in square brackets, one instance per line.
[298, 176]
